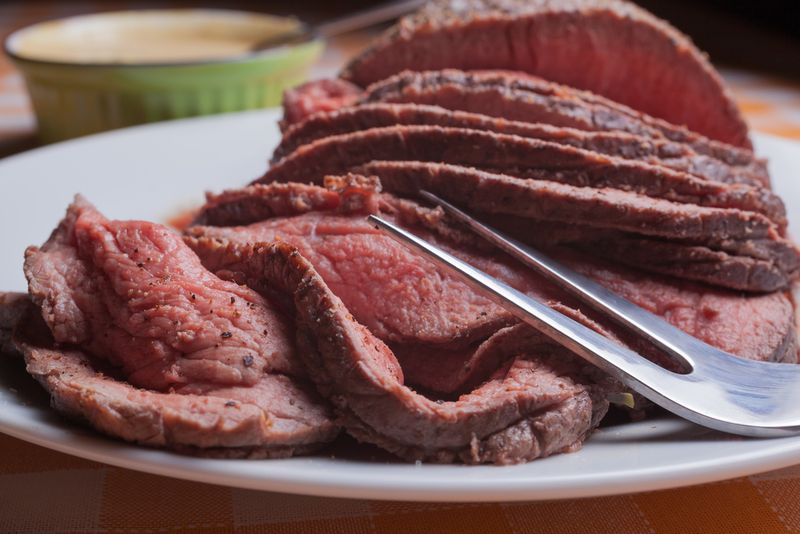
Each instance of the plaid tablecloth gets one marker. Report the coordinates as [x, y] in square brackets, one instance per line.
[45, 491]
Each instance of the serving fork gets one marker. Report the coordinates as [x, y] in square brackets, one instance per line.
[718, 390]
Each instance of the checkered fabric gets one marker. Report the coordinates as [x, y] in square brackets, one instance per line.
[42, 491]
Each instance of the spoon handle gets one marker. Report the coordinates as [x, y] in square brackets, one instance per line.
[367, 17]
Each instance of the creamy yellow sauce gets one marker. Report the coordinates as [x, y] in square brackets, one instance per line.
[161, 36]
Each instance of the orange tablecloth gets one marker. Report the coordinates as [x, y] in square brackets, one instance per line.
[44, 491]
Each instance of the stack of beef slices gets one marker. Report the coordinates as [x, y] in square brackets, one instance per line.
[694, 208]
[642, 158]
[413, 360]
[128, 331]
[418, 363]
[645, 183]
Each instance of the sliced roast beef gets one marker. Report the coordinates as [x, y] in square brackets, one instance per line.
[693, 262]
[609, 47]
[515, 96]
[259, 202]
[411, 305]
[540, 199]
[677, 156]
[319, 95]
[695, 308]
[361, 376]
[543, 402]
[12, 307]
[517, 156]
[346, 194]
[761, 261]
[129, 300]
[373, 399]
[776, 250]
[456, 371]
[275, 418]
[451, 371]
[348, 253]
[134, 294]
[734, 264]
[385, 286]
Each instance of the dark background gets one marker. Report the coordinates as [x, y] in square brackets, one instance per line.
[761, 35]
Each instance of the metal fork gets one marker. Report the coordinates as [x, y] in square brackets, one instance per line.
[719, 391]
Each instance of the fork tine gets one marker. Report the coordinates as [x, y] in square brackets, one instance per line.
[555, 325]
[674, 342]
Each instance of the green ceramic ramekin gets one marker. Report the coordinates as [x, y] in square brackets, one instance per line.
[78, 98]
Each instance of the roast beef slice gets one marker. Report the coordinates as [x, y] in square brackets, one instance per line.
[517, 156]
[277, 417]
[756, 259]
[609, 47]
[657, 151]
[521, 97]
